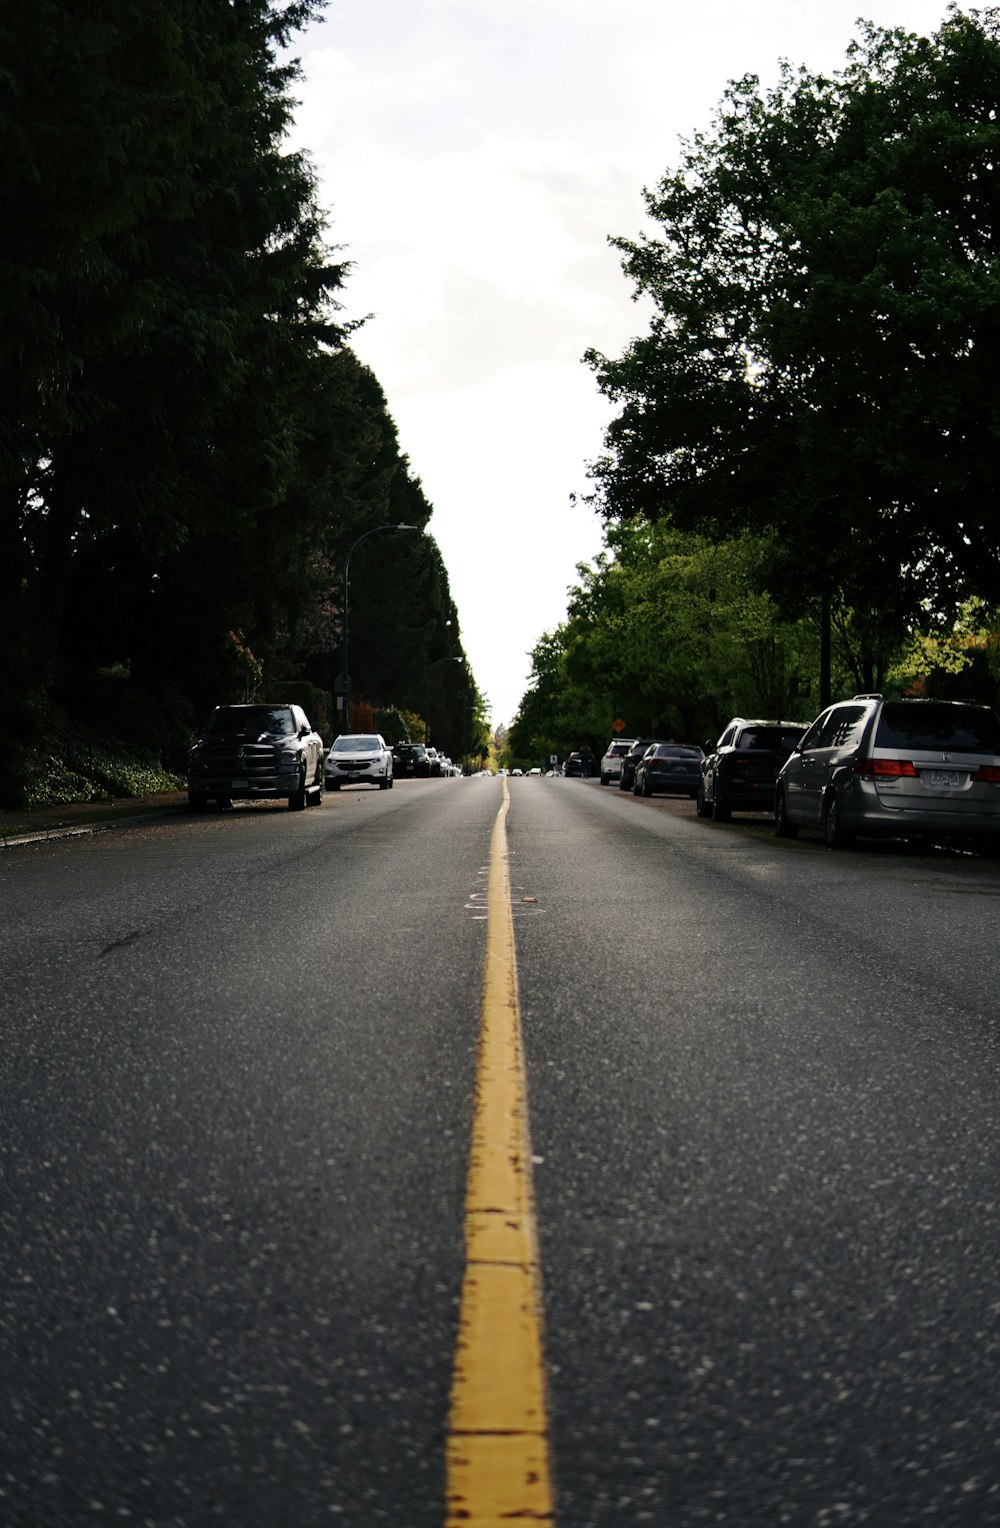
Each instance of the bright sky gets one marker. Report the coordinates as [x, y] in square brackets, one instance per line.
[474, 157]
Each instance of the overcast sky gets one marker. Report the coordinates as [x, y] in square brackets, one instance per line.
[474, 158]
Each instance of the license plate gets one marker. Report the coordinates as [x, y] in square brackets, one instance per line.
[948, 778]
[239, 785]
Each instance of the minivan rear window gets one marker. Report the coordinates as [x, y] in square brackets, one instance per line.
[924, 725]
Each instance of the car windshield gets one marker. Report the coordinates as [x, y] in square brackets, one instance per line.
[363, 744]
[251, 722]
[778, 738]
[676, 751]
[925, 725]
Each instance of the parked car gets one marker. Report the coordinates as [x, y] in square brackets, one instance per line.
[894, 767]
[256, 753]
[573, 766]
[739, 771]
[668, 767]
[410, 759]
[359, 758]
[611, 763]
[626, 775]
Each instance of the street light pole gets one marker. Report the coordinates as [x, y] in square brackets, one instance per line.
[454, 658]
[345, 680]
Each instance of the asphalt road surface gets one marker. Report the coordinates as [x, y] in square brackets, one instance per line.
[237, 1072]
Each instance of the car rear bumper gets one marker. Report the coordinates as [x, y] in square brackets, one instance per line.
[866, 810]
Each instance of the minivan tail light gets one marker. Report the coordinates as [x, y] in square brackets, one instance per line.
[885, 769]
[988, 774]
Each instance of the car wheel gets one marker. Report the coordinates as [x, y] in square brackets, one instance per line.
[391, 779]
[783, 827]
[223, 802]
[837, 836]
[647, 789]
[720, 812]
[383, 785]
[297, 800]
[197, 801]
[701, 805]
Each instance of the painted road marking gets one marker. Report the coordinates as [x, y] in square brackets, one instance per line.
[497, 1450]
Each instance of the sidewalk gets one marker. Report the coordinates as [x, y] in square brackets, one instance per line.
[84, 816]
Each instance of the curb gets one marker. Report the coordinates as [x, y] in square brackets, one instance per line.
[48, 835]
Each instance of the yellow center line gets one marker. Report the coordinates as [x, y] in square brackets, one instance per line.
[497, 1447]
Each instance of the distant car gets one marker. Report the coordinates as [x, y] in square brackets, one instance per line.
[626, 775]
[256, 753]
[359, 758]
[573, 766]
[739, 771]
[410, 759]
[611, 763]
[516, 772]
[535, 774]
[902, 768]
[672, 768]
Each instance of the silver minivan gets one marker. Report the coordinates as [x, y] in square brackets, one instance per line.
[894, 767]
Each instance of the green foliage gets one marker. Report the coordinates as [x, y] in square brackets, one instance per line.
[672, 637]
[396, 725]
[88, 767]
[316, 703]
[820, 366]
[188, 446]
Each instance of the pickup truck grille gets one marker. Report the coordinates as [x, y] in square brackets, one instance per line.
[255, 762]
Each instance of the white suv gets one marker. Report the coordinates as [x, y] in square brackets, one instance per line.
[361, 758]
[611, 764]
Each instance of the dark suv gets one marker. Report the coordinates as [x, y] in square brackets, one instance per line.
[627, 777]
[410, 759]
[902, 768]
[739, 771]
[254, 753]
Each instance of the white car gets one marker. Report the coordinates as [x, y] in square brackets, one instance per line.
[359, 758]
[611, 764]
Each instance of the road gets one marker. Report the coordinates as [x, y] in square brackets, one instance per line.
[238, 1074]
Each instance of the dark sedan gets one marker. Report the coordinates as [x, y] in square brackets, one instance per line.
[410, 759]
[671, 768]
[626, 779]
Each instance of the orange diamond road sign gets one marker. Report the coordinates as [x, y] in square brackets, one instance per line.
[618, 724]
